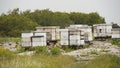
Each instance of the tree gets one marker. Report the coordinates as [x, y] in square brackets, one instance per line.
[14, 22]
[12, 26]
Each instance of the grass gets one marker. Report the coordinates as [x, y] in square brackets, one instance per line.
[86, 46]
[37, 61]
[83, 55]
[4, 53]
[116, 42]
[94, 52]
[104, 50]
[10, 39]
[104, 61]
[67, 48]
[11, 60]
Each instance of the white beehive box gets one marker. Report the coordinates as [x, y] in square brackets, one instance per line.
[26, 39]
[64, 36]
[39, 39]
[52, 33]
[32, 39]
[102, 30]
[116, 33]
[71, 37]
[86, 29]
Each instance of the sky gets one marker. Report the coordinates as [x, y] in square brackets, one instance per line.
[109, 9]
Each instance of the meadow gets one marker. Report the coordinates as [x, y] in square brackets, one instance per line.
[45, 59]
[10, 59]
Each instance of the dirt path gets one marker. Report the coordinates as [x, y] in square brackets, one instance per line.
[98, 48]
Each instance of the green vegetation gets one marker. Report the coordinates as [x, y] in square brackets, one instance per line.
[14, 22]
[4, 53]
[9, 39]
[66, 48]
[9, 59]
[105, 50]
[116, 42]
[73, 47]
[20, 49]
[86, 46]
[94, 52]
[41, 50]
[104, 61]
[83, 55]
[37, 61]
[55, 51]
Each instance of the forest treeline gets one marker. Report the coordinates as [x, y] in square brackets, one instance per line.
[14, 22]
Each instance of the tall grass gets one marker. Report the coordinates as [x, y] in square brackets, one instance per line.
[37, 61]
[9, 59]
[104, 61]
[11, 39]
[5, 53]
[116, 42]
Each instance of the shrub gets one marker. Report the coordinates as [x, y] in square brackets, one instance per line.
[67, 49]
[94, 52]
[105, 50]
[105, 61]
[9, 39]
[116, 42]
[20, 49]
[55, 51]
[86, 46]
[6, 53]
[41, 50]
[83, 55]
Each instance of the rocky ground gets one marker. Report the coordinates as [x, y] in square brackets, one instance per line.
[9, 45]
[98, 48]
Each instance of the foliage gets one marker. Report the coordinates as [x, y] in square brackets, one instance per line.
[94, 52]
[106, 61]
[90, 19]
[4, 53]
[10, 39]
[103, 61]
[55, 51]
[20, 49]
[116, 42]
[37, 61]
[15, 22]
[86, 46]
[67, 48]
[44, 61]
[41, 50]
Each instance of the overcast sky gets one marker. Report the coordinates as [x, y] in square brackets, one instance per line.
[109, 9]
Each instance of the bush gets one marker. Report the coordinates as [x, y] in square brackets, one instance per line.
[94, 52]
[41, 50]
[67, 48]
[20, 49]
[55, 51]
[86, 46]
[105, 61]
[6, 53]
[116, 42]
[10, 39]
